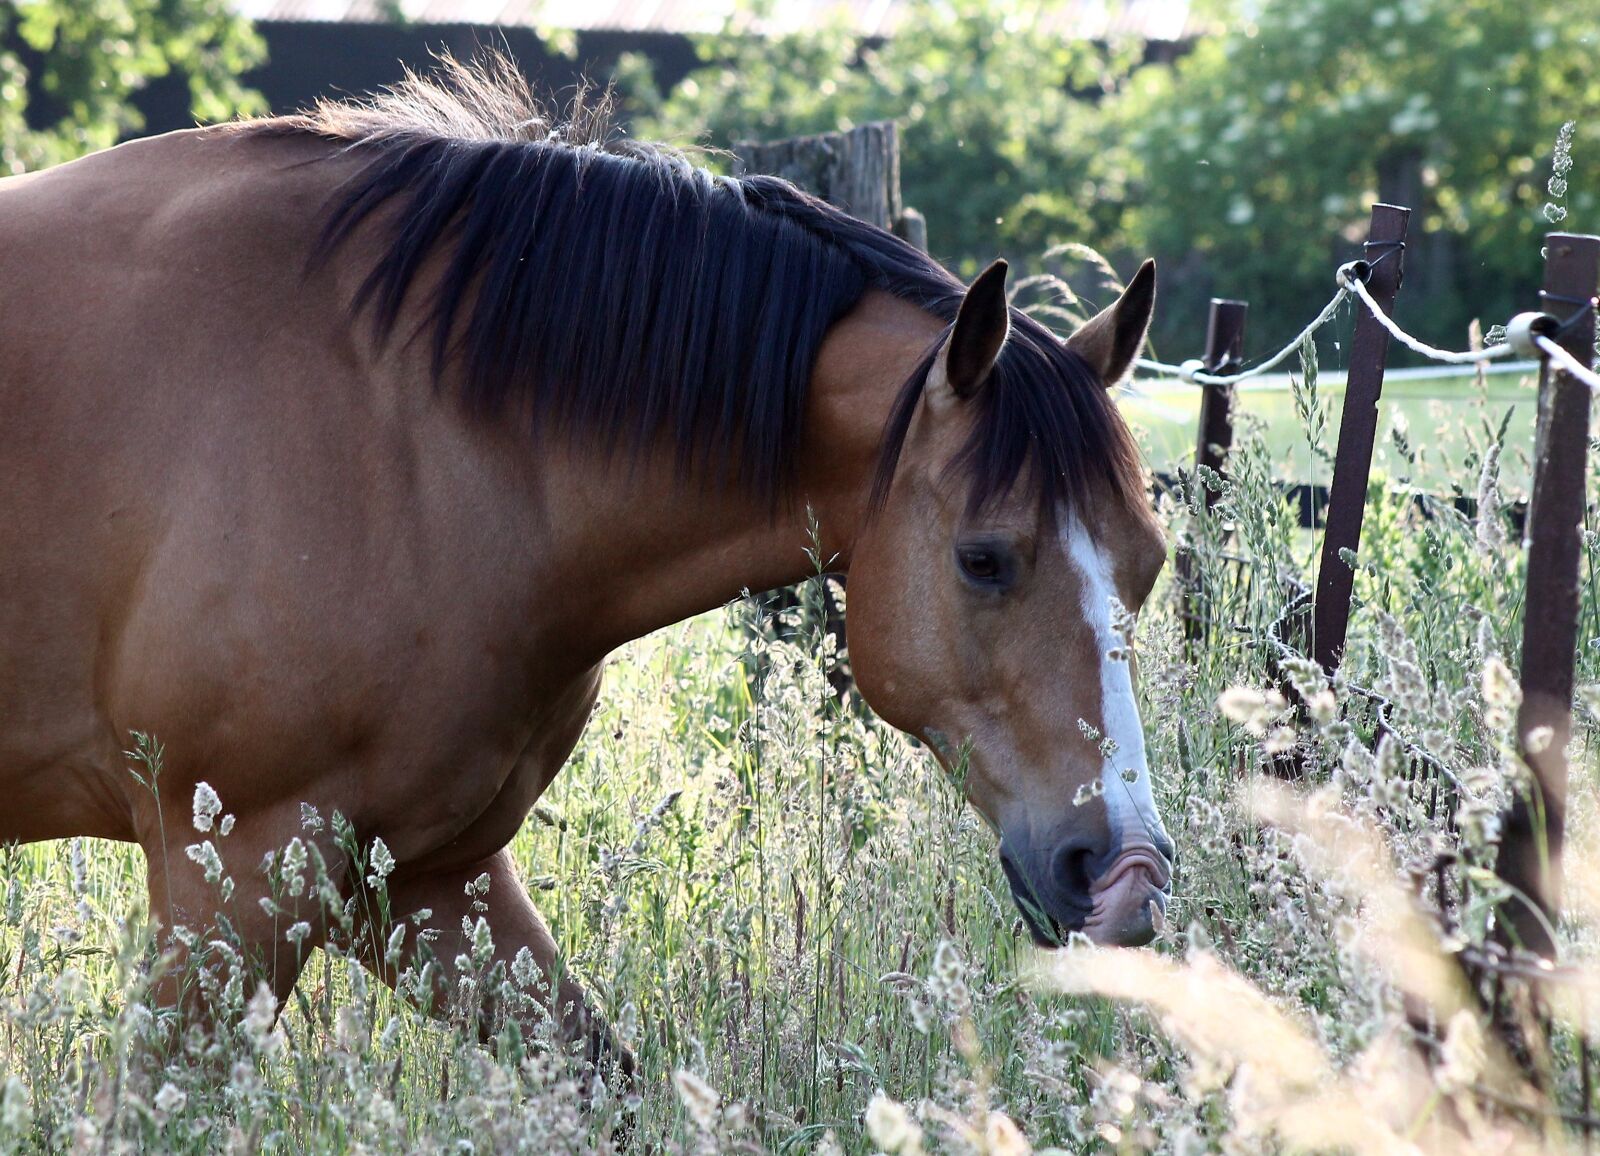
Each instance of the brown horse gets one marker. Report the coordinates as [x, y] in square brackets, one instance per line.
[339, 450]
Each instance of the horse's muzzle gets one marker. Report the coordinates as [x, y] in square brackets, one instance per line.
[1118, 906]
[1130, 899]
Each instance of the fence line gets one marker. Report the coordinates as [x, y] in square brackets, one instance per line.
[1332, 378]
[1195, 370]
[1349, 274]
[1560, 363]
[1529, 857]
[1528, 333]
[1352, 277]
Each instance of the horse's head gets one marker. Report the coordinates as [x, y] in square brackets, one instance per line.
[993, 619]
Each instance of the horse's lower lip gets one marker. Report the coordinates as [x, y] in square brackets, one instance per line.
[1052, 932]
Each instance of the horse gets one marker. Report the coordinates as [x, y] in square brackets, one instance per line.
[340, 449]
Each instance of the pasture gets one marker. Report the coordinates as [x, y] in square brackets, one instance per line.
[792, 919]
[786, 908]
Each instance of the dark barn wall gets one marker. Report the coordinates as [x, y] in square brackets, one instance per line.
[317, 58]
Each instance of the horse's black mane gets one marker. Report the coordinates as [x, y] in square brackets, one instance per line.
[618, 293]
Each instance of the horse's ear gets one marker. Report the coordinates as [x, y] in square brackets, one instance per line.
[1112, 338]
[982, 325]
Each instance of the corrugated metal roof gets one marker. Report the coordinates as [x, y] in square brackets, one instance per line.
[1079, 19]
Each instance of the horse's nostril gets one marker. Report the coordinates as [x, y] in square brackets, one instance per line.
[1074, 873]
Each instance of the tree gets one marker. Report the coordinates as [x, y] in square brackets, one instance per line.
[1252, 162]
[69, 67]
[998, 146]
[1247, 166]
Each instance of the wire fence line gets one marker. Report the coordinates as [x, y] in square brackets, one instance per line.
[1195, 370]
[1352, 283]
[1334, 379]
[1444, 356]
[1314, 620]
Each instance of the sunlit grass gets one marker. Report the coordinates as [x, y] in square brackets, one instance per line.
[804, 934]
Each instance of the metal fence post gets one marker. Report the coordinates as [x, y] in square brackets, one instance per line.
[1530, 849]
[1358, 428]
[1224, 355]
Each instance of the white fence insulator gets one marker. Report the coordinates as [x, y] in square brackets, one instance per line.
[1188, 372]
[1566, 361]
[1524, 327]
[1448, 357]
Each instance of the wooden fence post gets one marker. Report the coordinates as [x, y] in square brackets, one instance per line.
[857, 171]
[1224, 355]
[912, 227]
[1530, 848]
[1358, 428]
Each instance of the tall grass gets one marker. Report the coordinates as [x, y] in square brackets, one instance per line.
[803, 932]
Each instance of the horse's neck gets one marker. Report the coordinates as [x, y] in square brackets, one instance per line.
[653, 549]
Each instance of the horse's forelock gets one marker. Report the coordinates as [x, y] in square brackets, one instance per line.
[1044, 422]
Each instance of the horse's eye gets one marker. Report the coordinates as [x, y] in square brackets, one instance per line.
[981, 564]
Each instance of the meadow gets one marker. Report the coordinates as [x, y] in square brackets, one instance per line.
[804, 934]
[1166, 413]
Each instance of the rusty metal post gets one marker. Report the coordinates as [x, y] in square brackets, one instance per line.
[1358, 430]
[1530, 849]
[1224, 355]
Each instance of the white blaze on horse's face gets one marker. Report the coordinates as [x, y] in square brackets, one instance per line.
[1000, 631]
[1125, 777]
[1140, 870]
[1057, 758]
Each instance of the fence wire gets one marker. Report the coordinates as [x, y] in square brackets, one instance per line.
[1571, 364]
[1445, 356]
[1351, 284]
[1194, 371]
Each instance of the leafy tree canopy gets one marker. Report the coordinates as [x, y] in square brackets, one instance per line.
[997, 149]
[68, 69]
[1254, 160]
[1247, 166]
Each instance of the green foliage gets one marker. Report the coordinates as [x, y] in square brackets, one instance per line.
[81, 61]
[998, 149]
[1247, 168]
[1255, 158]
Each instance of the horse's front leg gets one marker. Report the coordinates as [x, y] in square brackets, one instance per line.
[221, 917]
[454, 895]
